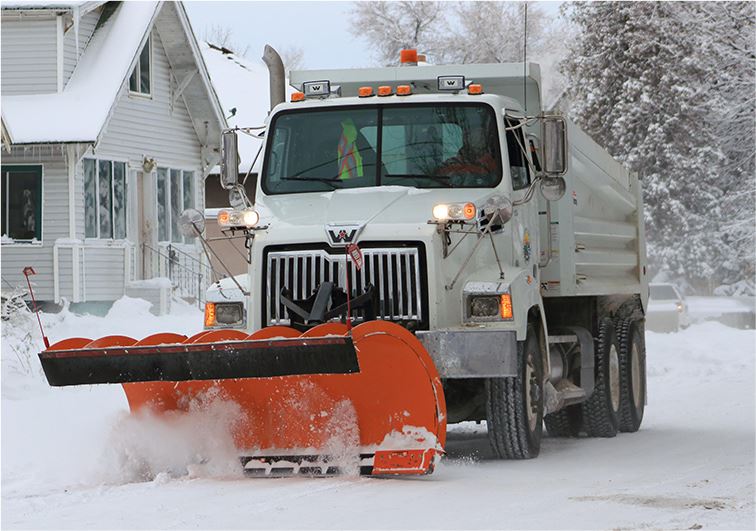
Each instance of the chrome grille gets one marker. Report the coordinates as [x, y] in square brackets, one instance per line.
[395, 272]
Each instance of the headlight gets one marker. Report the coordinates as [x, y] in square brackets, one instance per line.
[454, 211]
[224, 315]
[680, 307]
[238, 218]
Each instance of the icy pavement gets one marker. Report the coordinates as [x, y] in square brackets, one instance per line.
[72, 458]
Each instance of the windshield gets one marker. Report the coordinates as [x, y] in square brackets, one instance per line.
[421, 145]
[662, 292]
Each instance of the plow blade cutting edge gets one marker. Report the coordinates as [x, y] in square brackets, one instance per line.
[311, 403]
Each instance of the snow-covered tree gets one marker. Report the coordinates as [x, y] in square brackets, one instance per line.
[464, 32]
[726, 39]
[392, 26]
[638, 86]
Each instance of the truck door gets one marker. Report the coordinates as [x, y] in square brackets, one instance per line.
[525, 218]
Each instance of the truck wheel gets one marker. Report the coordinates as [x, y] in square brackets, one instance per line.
[564, 423]
[514, 406]
[632, 360]
[601, 410]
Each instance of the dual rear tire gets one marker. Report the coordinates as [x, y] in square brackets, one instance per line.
[514, 406]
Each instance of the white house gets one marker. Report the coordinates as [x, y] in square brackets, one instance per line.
[110, 125]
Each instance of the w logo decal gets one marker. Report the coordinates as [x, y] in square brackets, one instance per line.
[342, 234]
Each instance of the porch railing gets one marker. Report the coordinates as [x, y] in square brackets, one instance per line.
[189, 276]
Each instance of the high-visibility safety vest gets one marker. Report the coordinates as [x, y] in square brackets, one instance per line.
[350, 160]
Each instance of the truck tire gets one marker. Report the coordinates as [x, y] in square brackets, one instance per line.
[514, 406]
[601, 411]
[564, 423]
[632, 360]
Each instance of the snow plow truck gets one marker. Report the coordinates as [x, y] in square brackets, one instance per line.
[427, 245]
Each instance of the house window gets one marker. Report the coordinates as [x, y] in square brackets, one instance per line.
[140, 80]
[104, 199]
[22, 203]
[175, 193]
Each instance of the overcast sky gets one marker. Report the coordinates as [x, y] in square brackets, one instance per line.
[320, 29]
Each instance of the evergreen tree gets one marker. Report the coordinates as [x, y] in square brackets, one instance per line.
[637, 86]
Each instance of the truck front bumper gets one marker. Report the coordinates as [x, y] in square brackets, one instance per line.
[470, 353]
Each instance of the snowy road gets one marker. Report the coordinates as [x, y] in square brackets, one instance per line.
[692, 463]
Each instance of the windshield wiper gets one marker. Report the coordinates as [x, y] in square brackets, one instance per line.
[323, 180]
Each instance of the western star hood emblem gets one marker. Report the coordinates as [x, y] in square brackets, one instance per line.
[341, 235]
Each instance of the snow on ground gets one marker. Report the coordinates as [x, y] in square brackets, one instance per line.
[73, 458]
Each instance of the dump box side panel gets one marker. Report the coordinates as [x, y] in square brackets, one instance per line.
[596, 230]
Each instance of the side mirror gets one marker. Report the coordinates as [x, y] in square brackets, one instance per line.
[498, 205]
[554, 134]
[553, 188]
[229, 159]
[191, 223]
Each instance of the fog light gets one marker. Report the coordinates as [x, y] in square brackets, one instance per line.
[229, 313]
[484, 306]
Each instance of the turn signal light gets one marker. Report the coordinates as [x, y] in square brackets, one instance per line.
[403, 90]
[297, 96]
[475, 88]
[506, 306]
[209, 314]
[384, 90]
[365, 92]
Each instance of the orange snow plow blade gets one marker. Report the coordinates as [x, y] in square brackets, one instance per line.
[313, 403]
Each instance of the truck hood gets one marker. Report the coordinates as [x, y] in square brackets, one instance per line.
[226, 289]
[374, 205]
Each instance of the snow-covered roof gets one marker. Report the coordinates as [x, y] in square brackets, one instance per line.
[241, 84]
[80, 111]
[82, 6]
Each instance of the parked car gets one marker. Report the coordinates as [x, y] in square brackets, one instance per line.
[667, 309]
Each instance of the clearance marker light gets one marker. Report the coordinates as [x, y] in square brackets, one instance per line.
[365, 92]
[475, 88]
[297, 96]
[403, 90]
[384, 90]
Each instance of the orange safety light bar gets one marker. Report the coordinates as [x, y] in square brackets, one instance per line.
[365, 92]
[403, 90]
[297, 96]
[475, 88]
[408, 56]
[209, 314]
[506, 306]
[384, 90]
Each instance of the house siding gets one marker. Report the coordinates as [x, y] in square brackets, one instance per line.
[28, 51]
[148, 126]
[71, 53]
[55, 222]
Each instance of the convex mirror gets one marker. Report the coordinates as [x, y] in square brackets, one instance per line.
[229, 159]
